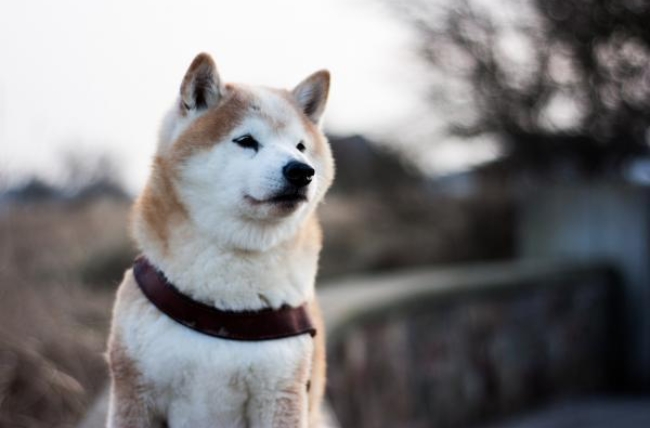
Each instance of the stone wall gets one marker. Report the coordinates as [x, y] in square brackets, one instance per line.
[476, 349]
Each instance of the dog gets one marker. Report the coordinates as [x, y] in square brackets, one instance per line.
[226, 225]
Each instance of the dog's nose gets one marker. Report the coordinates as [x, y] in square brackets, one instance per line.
[298, 173]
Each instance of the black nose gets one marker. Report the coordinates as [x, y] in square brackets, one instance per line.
[298, 173]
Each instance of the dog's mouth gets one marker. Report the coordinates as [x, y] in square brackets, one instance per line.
[286, 199]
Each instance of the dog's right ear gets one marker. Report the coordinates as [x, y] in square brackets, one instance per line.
[201, 87]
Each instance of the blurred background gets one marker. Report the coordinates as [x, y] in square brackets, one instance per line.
[486, 260]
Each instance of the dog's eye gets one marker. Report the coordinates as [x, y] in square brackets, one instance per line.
[247, 142]
[301, 147]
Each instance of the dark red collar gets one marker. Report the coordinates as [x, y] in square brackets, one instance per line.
[264, 324]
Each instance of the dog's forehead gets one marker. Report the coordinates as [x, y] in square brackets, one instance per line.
[273, 106]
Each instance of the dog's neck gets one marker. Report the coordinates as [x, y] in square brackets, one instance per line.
[230, 278]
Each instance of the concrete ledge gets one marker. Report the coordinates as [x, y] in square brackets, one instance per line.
[350, 299]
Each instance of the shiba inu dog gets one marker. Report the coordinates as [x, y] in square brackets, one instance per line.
[227, 228]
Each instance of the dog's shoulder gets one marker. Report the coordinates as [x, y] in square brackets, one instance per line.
[129, 297]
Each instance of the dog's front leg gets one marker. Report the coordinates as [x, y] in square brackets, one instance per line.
[284, 408]
[126, 413]
[128, 405]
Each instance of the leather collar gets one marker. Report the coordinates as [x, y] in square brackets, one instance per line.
[265, 324]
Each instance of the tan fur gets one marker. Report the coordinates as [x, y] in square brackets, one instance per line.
[311, 94]
[159, 203]
[316, 389]
[128, 390]
[213, 125]
[201, 78]
[291, 403]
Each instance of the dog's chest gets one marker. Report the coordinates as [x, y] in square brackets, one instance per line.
[203, 374]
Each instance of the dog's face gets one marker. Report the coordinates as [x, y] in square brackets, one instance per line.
[248, 163]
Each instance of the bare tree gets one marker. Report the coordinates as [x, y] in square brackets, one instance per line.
[550, 78]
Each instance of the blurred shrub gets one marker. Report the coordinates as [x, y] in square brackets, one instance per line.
[107, 266]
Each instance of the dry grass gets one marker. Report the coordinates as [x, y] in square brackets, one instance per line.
[52, 322]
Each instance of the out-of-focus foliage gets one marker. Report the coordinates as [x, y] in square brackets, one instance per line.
[548, 78]
[57, 281]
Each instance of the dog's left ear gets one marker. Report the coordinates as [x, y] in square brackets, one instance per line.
[311, 94]
[201, 87]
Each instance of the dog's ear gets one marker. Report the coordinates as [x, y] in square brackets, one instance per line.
[201, 87]
[311, 94]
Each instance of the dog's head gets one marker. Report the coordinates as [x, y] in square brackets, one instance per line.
[247, 165]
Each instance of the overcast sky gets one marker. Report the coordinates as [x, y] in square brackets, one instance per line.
[90, 76]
